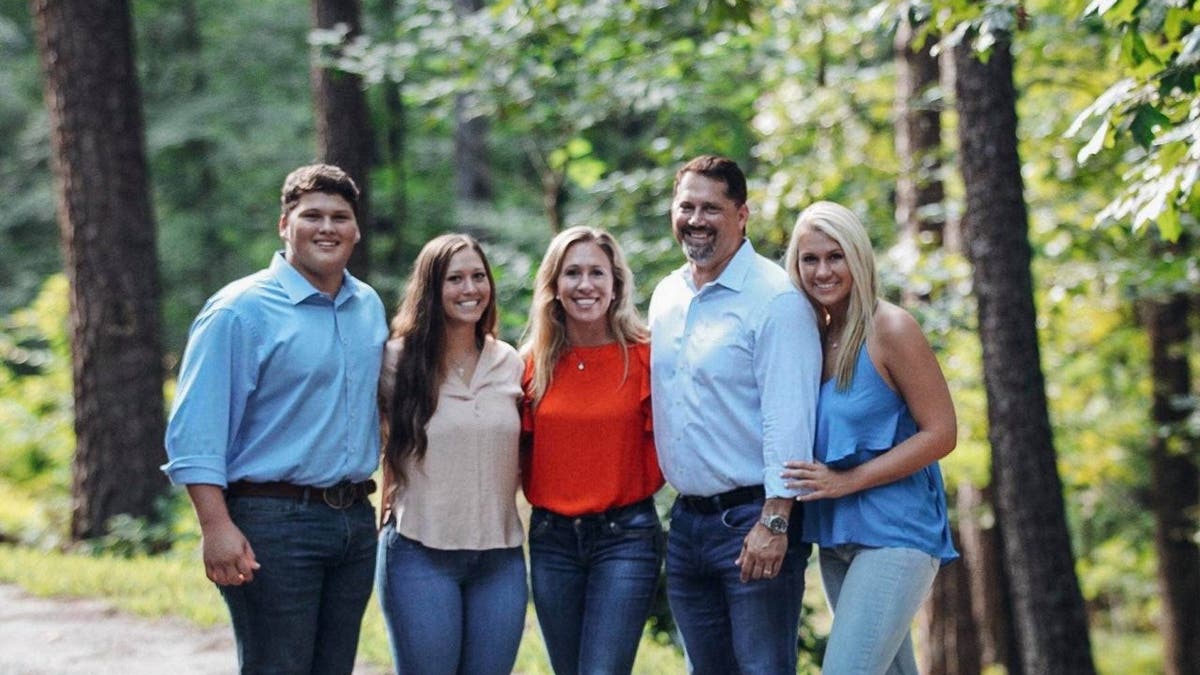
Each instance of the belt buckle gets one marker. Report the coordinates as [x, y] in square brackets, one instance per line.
[340, 496]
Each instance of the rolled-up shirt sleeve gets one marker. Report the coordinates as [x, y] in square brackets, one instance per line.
[215, 379]
[787, 366]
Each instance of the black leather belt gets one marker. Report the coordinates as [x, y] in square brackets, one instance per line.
[725, 500]
[339, 496]
[602, 517]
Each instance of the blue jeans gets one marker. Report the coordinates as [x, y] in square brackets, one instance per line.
[593, 580]
[459, 611]
[874, 594]
[729, 626]
[303, 610]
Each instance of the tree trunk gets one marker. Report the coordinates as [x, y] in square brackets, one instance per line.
[919, 189]
[1050, 622]
[108, 241]
[980, 548]
[344, 135]
[949, 637]
[1175, 485]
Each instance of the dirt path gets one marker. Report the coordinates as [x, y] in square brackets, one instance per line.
[44, 636]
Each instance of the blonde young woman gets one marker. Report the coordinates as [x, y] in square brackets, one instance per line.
[450, 572]
[595, 542]
[876, 501]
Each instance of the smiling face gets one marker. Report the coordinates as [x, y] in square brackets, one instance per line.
[708, 224]
[319, 234]
[823, 269]
[465, 288]
[585, 288]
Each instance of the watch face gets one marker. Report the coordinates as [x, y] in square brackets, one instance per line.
[776, 524]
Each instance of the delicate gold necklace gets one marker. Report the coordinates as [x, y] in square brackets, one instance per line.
[461, 367]
[579, 365]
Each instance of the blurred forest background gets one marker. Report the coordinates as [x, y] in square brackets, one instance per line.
[1026, 170]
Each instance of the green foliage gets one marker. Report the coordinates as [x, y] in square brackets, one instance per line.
[607, 97]
[130, 537]
[824, 116]
[222, 131]
[1151, 114]
[36, 409]
[28, 234]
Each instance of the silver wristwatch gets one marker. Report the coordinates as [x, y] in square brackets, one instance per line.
[775, 524]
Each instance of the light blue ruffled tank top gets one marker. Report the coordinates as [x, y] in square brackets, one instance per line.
[854, 426]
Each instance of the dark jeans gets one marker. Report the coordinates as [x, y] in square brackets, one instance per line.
[447, 612]
[303, 610]
[729, 626]
[593, 580]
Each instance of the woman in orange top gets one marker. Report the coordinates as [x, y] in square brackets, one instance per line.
[590, 472]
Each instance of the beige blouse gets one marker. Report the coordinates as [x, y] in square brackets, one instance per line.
[463, 494]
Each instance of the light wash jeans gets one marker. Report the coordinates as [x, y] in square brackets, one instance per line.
[874, 594]
[449, 612]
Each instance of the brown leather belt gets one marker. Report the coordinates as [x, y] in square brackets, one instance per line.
[339, 496]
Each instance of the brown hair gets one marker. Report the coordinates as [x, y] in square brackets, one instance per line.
[317, 178]
[421, 322]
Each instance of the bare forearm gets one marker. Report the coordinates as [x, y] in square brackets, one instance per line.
[915, 453]
[209, 503]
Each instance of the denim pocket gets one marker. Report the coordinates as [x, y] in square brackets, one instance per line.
[539, 523]
[392, 537]
[742, 518]
[639, 522]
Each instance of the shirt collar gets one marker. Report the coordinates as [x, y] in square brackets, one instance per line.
[298, 288]
[733, 276]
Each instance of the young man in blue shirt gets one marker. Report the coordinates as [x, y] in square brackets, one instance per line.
[735, 370]
[275, 433]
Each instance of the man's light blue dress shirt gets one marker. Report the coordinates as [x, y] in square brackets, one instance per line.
[278, 383]
[735, 372]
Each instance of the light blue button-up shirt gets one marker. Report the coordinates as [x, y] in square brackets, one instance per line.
[278, 383]
[735, 372]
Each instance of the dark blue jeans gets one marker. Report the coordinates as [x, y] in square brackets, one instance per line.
[303, 610]
[447, 612]
[729, 626]
[593, 581]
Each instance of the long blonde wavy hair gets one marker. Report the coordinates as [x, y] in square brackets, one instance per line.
[545, 339]
[840, 224]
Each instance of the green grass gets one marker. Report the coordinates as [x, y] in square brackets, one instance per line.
[175, 585]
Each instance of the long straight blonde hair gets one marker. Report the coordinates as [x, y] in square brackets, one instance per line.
[545, 339]
[841, 225]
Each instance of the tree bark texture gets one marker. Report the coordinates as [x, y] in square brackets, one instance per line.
[108, 240]
[343, 120]
[980, 547]
[919, 188]
[1175, 488]
[949, 635]
[1050, 622]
